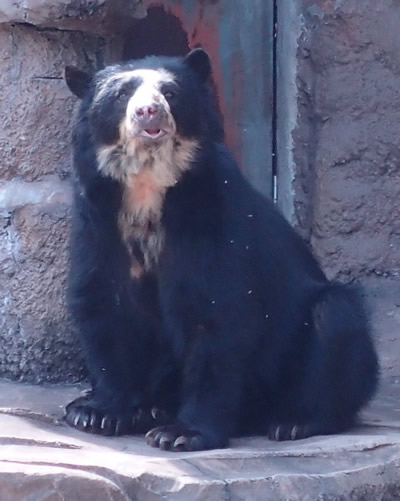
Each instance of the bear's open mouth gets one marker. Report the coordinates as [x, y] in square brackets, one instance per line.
[152, 133]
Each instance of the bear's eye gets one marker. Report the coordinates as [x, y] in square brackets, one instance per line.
[169, 94]
[122, 95]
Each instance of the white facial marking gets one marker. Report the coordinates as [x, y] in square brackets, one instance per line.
[149, 93]
[146, 164]
[152, 76]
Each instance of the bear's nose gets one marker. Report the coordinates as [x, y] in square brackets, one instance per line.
[147, 112]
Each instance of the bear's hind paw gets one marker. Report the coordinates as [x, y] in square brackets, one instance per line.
[290, 432]
[176, 438]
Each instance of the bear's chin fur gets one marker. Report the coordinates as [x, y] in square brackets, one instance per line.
[145, 171]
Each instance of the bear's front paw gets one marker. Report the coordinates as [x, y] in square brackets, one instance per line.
[86, 414]
[176, 438]
[87, 417]
[146, 419]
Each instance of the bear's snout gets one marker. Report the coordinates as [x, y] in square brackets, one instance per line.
[147, 112]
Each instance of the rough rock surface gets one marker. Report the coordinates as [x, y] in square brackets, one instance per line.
[97, 16]
[345, 142]
[36, 342]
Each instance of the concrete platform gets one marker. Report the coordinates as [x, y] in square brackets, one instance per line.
[41, 459]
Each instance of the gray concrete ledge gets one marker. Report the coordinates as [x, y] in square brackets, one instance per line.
[43, 459]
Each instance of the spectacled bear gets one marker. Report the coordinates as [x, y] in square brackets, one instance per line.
[202, 314]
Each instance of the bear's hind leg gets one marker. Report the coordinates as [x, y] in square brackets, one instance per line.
[341, 370]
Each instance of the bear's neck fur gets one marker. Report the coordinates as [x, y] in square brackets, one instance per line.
[145, 172]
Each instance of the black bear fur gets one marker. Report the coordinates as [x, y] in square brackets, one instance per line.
[230, 328]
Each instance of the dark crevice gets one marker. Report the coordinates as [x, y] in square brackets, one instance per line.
[100, 52]
[160, 33]
[46, 78]
[274, 103]
[44, 29]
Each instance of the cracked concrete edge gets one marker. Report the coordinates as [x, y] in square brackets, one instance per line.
[20, 482]
[27, 413]
[377, 482]
[37, 457]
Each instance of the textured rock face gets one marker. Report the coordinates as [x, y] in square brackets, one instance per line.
[345, 136]
[36, 341]
[98, 16]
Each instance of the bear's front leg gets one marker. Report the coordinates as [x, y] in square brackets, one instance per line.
[118, 362]
[212, 386]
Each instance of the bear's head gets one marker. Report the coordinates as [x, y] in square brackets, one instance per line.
[146, 113]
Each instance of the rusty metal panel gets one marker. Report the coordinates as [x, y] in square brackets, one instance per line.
[239, 37]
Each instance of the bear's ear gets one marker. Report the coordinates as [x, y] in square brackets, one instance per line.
[199, 61]
[78, 81]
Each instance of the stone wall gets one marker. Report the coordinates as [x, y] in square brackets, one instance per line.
[339, 141]
[35, 117]
[338, 109]
[36, 109]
